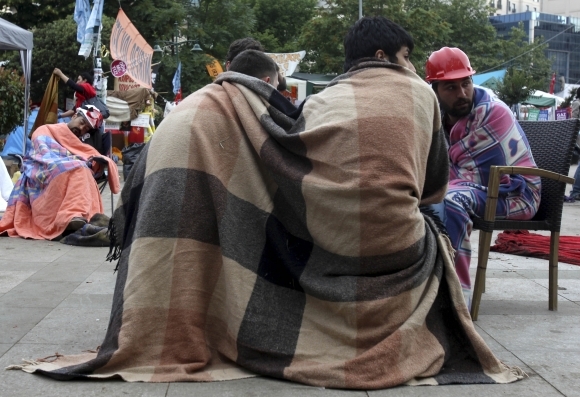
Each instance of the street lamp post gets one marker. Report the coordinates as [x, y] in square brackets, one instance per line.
[175, 43]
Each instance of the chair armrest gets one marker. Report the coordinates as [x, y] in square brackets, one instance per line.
[533, 171]
[495, 174]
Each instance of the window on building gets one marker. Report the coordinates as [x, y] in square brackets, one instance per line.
[513, 7]
[499, 4]
[527, 8]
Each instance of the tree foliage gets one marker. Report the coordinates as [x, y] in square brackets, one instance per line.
[281, 26]
[279, 23]
[30, 14]
[11, 100]
[514, 87]
[528, 69]
[55, 46]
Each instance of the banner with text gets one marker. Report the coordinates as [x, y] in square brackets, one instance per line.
[125, 83]
[287, 61]
[128, 45]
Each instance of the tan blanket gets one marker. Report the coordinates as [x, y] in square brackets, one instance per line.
[257, 240]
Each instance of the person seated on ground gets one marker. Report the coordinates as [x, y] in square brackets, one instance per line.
[57, 191]
[481, 131]
[252, 241]
[575, 193]
[83, 89]
[256, 64]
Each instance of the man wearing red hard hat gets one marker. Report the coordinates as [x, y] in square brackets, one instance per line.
[57, 193]
[481, 131]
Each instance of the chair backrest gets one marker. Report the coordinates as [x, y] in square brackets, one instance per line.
[552, 143]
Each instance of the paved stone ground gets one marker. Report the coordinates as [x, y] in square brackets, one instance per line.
[57, 298]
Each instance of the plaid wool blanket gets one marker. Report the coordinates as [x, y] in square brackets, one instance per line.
[259, 240]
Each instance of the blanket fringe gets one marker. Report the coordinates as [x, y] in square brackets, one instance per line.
[114, 246]
[515, 371]
[21, 366]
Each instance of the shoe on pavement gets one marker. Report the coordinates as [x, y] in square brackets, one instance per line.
[75, 224]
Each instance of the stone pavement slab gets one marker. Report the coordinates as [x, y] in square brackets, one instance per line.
[56, 299]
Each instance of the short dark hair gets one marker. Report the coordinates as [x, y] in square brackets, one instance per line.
[282, 86]
[578, 93]
[239, 45]
[370, 34]
[254, 63]
[87, 76]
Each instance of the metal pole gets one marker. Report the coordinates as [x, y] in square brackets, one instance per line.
[360, 9]
[176, 45]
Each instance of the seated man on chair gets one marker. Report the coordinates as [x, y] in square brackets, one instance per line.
[481, 131]
[57, 191]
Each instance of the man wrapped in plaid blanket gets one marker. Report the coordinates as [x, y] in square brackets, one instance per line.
[257, 240]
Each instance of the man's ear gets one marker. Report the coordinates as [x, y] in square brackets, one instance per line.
[227, 65]
[266, 79]
[380, 54]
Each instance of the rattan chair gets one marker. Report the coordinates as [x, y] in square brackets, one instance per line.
[552, 143]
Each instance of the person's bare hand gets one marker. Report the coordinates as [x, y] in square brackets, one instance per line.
[57, 71]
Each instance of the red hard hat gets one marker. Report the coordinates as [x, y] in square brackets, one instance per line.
[448, 64]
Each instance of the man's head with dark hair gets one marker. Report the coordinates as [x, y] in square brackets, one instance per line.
[282, 86]
[256, 64]
[377, 37]
[86, 76]
[578, 93]
[239, 45]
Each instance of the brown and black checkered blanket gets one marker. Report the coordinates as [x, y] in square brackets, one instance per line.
[255, 239]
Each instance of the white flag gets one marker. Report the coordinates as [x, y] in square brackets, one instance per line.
[94, 21]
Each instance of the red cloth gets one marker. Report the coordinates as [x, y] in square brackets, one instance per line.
[89, 90]
[524, 243]
[552, 83]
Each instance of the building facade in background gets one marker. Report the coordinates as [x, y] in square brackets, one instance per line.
[506, 7]
[561, 32]
[569, 8]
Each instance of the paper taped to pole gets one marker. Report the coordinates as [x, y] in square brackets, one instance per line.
[128, 45]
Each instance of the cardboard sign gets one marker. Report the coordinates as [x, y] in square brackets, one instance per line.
[561, 114]
[142, 120]
[533, 114]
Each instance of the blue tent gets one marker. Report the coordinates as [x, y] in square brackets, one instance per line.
[489, 79]
[15, 139]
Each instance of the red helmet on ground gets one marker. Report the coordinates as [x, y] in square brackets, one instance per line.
[448, 64]
[91, 114]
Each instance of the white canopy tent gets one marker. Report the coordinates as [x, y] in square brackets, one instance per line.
[15, 38]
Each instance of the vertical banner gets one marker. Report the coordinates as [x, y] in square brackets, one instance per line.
[128, 45]
[177, 79]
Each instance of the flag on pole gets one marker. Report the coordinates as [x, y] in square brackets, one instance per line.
[93, 22]
[552, 83]
[81, 17]
[177, 79]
